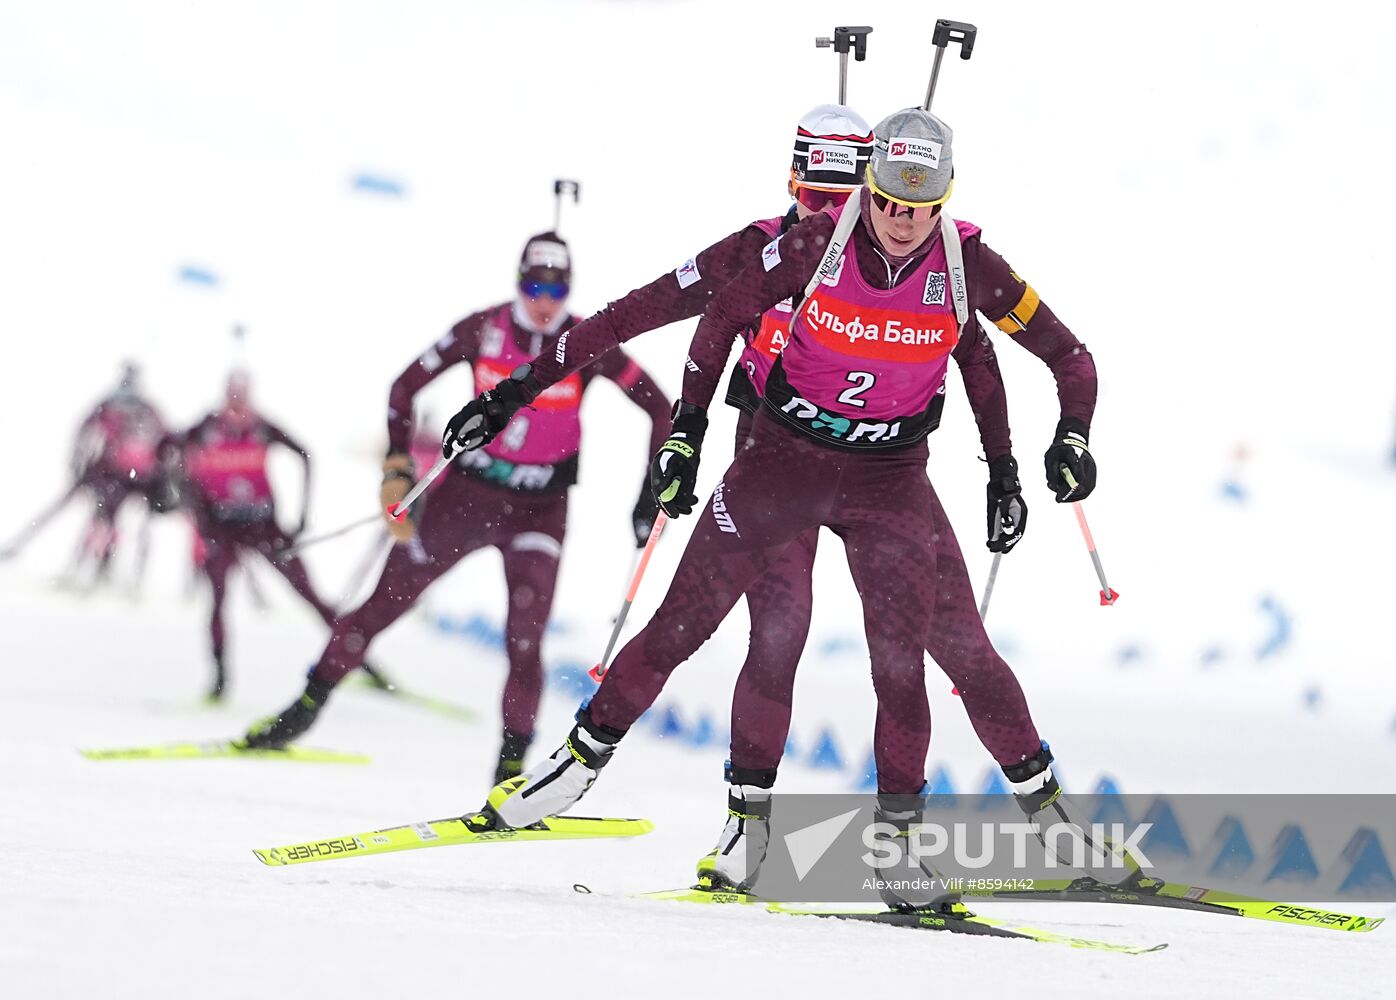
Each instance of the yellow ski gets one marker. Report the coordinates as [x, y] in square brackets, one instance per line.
[225, 748]
[444, 832]
[1153, 892]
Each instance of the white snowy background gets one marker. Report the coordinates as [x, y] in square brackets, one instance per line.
[1200, 191]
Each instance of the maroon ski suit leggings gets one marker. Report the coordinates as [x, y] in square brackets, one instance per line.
[462, 515]
[223, 541]
[757, 536]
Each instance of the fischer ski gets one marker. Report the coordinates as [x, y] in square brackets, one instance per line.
[444, 832]
[439, 706]
[225, 748]
[1144, 891]
[951, 923]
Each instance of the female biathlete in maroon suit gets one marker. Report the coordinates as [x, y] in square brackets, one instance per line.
[114, 457]
[224, 459]
[511, 495]
[839, 442]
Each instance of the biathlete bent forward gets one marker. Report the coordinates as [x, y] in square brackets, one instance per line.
[511, 495]
[844, 417]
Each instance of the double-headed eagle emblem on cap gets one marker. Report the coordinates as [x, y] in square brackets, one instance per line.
[913, 176]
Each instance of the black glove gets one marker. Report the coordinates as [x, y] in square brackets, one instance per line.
[642, 517]
[674, 468]
[1070, 467]
[484, 417]
[1008, 511]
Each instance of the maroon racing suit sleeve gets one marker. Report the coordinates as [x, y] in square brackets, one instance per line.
[643, 391]
[1013, 306]
[460, 344]
[979, 367]
[679, 294]
[279, 436]
[743, 299]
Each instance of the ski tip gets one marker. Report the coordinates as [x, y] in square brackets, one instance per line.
[271, 857]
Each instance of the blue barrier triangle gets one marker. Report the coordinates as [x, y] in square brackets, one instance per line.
[868, 782]
[703, 731]
[1369, 873]
[826, 753]
[1290, 858]
[994, 783]
[994, 789]
[1106, 786]
[1165, 837]
[669, 724]
[572, 678]
[940, 786]
[1230, 849]
[792, 749]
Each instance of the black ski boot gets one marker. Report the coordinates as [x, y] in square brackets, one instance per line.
[275, 732]
[511, 756]
[220, 680]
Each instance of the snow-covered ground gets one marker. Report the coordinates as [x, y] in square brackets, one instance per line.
[1197, 193]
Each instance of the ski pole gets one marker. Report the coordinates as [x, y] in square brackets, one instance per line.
[48, 514]
[989, 587]
[1108, 595]
[846, 40]
[560, 188]
[296, 547]
[399, 510]
[945, 33]
[599, 671]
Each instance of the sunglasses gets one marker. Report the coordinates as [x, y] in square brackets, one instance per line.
[894, 208]
[816, 199]
[537, 289]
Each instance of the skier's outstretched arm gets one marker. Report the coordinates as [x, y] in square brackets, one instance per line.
[1017, 310]
[675, 295]
[646, 394]
[459, 345]
[762, 284]
[279, 436]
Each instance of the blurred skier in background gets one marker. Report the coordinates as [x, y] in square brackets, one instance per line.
[222, 463]
[845, 450]
[511, 495]
[114, 459]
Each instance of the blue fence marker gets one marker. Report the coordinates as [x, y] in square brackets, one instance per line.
[1111, 808]
[1313, 698]
[940, 786]
[1290, 859]
[572, 678]
[792, 749]
[194, 275]
[868, 782]
[1230, 849]
[703, 731]
[825, 755]
[669, 724]
[1281, 628]
[1369, 872]
[378, 184]
[1165, 837]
